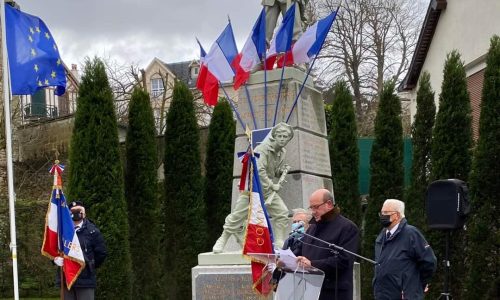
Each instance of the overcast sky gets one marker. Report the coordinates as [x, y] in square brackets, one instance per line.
[136, 31]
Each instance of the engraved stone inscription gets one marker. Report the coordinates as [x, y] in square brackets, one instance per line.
[224, 286]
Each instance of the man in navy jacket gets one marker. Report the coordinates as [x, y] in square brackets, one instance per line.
[405, 260]
[329, 225]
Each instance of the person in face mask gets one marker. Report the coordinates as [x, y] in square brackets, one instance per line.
[405, 261]
[94, 252]
[300, 223]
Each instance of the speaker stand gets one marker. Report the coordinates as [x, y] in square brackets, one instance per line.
[446, 295]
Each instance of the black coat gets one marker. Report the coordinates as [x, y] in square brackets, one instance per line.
[406, 263]
[94, 252]
[333, 228]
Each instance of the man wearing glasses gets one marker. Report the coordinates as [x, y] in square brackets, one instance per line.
[405, 260]
[329, 225]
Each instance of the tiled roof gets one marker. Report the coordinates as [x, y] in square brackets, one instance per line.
[182, 72]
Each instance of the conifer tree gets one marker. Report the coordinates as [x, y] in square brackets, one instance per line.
[184, 207]
[344, 153]
[483, 280]
[219, 169]
[451, 158]
[96, 178]
[142, 197]
[421, 138]
[386, 167]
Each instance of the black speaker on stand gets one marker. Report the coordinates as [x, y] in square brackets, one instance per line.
[447, 206]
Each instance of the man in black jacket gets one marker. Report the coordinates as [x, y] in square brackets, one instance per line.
[94, 252]
[329, 225]
[405, 260]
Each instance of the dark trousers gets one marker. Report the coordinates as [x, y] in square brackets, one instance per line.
[77, 293]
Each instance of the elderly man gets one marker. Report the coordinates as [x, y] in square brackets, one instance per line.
[300, 223]
[406, 262]
[271, 165]
[329, 225]
[273, 10]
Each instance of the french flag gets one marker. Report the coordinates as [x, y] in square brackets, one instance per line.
[252, 52]
[310, 43]
[206, 82]
[60, 238]
[282, 40]
[219, 61]
[258, 235]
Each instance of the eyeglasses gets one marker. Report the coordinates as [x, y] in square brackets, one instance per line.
[314, 207]
[387, 213]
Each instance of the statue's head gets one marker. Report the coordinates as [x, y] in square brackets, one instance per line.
[282, 133]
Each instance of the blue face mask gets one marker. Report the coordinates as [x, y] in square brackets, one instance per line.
[298, 229]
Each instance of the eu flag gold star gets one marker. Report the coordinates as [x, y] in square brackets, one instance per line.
[46, 81]
[55, 47]
[36, 68]
[47, 35]
[31, 30]
[33, 52]
[53, 74]
[39, 83]
[58, 61]
[37, 29]
[30, 38]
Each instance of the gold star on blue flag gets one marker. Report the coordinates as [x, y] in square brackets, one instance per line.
[30, 43]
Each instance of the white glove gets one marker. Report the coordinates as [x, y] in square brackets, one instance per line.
[271, 267]
[59, 261]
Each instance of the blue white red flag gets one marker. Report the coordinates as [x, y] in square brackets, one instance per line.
[258, 235]
[206, 83]
[253, 51]
[219, 61]
[34, 59]
[60, 238]
[311, 41]
[282, 40]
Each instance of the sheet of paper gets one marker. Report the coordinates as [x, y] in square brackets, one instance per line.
[288, 258]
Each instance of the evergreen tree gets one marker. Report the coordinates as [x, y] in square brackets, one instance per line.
[421, 137]
[386, 167]
[96, 177]
[344, 153]
[184, 218]
[451, 158]
[219, 169]
[142, 198]
[483, 281]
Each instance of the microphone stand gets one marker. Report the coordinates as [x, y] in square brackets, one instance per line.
[336, 250]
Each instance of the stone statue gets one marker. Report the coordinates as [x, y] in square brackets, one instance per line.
[275, 7]
[272, 167]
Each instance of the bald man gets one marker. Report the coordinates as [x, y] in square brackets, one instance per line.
[329, 225]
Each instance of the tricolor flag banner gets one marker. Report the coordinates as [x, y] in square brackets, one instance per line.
[219, 63]
[34, 59]
[60, 238]
[282, 40]
[252, 52]
[258, 235]
[310, 43]
[206, 83]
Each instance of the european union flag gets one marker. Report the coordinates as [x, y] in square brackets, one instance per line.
[33, 56]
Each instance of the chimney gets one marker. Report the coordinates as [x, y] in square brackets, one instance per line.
[74, 72]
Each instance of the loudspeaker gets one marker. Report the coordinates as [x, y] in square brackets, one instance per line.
[447, 204]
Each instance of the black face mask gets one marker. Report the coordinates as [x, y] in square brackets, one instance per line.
[385, 220]
[76, 216]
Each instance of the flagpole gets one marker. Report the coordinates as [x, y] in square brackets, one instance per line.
[231, 102]
[265, 90]
[8, 148]
[307, 75]
[279, 89]
[251, 107]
